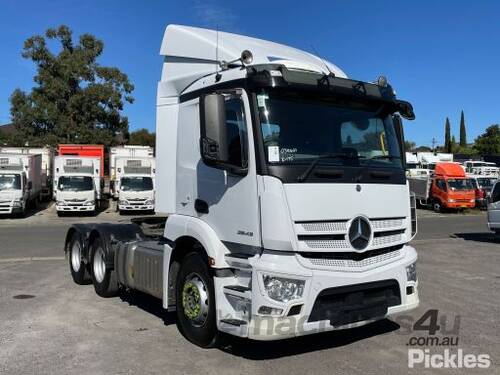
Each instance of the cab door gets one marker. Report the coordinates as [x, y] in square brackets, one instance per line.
[228, 201]
[494, 208]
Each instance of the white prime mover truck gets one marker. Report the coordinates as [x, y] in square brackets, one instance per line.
[134, 183]
[47, 154]
[77, 184]
[121, 152]
[284, 183]
[20, 183]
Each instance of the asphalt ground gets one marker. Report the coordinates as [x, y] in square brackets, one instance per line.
[49, 325]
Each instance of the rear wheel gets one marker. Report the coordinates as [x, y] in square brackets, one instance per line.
[195, 302]
[78, 268]
[103, 278]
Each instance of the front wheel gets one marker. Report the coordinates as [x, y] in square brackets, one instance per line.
[437, 206]
[103, 278]
[195, 302]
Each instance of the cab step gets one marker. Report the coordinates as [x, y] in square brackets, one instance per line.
[239, 260]
[239, 291]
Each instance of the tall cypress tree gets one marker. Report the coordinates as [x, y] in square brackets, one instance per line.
[463, 133]
[447, 135]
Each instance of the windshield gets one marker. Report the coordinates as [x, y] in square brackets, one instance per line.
[10, 182]
[486, 182]
[460, 184]
[297, 131]
[136, 183]
[75, 183]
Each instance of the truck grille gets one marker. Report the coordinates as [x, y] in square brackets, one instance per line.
[323, 235]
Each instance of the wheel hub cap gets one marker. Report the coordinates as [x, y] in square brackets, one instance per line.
[195, 300]
[99, 265]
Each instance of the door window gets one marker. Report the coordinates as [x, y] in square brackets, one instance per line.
[495, 194]
[236, 132]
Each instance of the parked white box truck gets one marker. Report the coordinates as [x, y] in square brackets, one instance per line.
[284, 182]
[77, 183]
[20, 182]
[134, 183]
[47, 158]
[124, 151]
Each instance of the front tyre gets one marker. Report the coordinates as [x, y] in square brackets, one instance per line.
[78, 269]
[103, 278]
[195, 302]
[437, 206]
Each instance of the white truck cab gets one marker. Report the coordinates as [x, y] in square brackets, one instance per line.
[134, 183]
[289, 212]
[494, 209]
[20, 182]
[77, 184]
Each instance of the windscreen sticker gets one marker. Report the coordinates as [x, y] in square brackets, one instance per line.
[288, 154]
[261, 100]
[273, 154]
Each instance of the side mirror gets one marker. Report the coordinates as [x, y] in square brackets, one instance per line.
[213, 142]
[405, 109]
[30, 185]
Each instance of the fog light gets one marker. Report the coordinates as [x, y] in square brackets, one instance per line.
[283, 289]
[411, 272]
[266, 310]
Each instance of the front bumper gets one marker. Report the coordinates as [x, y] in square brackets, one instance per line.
[458, 205]
[75, 208]
[136, 207]
[262, 327]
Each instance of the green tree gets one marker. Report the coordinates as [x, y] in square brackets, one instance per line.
[423, 149]
[410, 146]
[453, 145]
[142, 137]
[463, 132]
[75, 99]
[488, 143]
[447, 135]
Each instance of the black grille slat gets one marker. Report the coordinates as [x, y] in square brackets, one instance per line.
[351, 255]
[354, 303]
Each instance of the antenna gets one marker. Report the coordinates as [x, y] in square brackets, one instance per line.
[217, 74]
[323, 61]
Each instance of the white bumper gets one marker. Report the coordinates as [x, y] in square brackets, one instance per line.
[75, 208]
[317, 279]
[136, 207]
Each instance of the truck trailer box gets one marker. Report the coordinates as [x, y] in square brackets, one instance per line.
[83, 150]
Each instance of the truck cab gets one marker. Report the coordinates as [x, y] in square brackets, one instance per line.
[451, 188]
[13, 192]
[76, 184]
[285, 189]
[134, 185]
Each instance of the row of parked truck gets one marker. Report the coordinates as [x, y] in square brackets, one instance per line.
[440, 183]
[74, 177]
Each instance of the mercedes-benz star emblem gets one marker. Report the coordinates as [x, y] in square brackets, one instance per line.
[359, 233]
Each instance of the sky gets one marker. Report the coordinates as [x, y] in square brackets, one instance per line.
[442, 56]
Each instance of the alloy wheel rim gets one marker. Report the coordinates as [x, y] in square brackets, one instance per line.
[99, 265]
[195, 300]
[76, 256]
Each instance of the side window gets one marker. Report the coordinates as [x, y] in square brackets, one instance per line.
[495, 194]
[236, 132]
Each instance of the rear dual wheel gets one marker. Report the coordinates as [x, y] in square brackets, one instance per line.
[103, 277]
[78, 269]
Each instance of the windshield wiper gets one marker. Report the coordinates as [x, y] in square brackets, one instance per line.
[317, 159]
[390, 157]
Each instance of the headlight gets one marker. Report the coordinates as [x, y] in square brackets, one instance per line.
[122, 202]
[451, 200]
[472, 200]
[60, 203]
[17, 203]
[411, 272]
[89, 203]
[281, 289]
[150, 201]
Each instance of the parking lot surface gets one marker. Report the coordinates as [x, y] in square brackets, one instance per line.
[49, 325]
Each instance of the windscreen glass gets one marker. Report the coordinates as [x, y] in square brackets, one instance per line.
[10, 182]
[75, 183]
[460, 184]
[136, 183]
